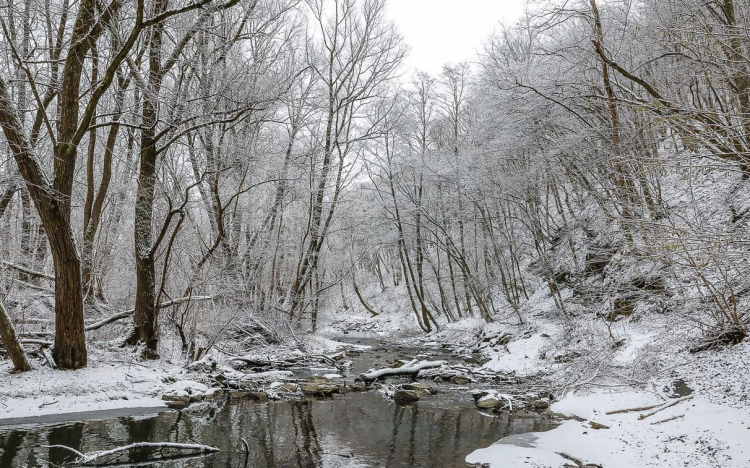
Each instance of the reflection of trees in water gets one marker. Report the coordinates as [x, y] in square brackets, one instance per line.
[70, 435]
[398, 416]
[306, 440]
[263, 432]
[298, 434]
[11, 444]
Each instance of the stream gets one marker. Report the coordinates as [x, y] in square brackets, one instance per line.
[350, 430]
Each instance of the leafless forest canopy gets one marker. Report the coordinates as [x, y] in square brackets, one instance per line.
[206, 171]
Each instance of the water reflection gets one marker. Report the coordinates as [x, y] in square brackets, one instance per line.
[355, 430]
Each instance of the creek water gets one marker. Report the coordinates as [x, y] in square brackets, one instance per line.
[350, 430]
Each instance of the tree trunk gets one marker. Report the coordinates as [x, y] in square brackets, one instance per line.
[70, 341]
[146, 314]
[12, 345]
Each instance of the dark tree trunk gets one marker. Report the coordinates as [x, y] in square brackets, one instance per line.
[70, 342]
[12, 345]
[146, 314]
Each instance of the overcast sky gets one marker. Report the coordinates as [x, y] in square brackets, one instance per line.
[440, 31]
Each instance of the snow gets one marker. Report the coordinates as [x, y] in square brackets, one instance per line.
[101, 386]
[320, 345]
[185, 387]
[521, 356]
[709, 435]
[516, 456]
[332, 376]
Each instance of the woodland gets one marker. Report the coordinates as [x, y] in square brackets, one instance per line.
[206, 175]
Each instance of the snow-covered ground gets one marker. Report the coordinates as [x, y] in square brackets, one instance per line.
[101, 386]
[704, 434]
[110, 382]
[710, 428]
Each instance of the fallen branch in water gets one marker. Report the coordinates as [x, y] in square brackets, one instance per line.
[128, 313]
[159, 451]
[411, 368]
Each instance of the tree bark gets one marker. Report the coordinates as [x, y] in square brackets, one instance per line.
[70, 342]
[12, 345]
[146, 316]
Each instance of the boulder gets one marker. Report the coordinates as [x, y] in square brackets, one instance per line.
[176, 404]
[489, 403]
[286, 387]
[420, 389]
[239, 394]
[319, 389]
[214, 394]
[405, 397]
[206, 364]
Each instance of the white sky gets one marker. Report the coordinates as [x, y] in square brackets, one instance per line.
[448, 31]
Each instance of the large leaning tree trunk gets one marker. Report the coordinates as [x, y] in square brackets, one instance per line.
[70, 343]
[12, 345]
[52, 199]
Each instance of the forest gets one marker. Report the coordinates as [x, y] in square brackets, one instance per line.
[185, 182]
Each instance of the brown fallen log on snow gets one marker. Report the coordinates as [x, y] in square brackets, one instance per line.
[633, 410]
[126, 454]
[666, 405]
[411, 368]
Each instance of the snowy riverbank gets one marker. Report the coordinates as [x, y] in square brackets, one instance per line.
[102, 386]
[111, 382]
[708, 428]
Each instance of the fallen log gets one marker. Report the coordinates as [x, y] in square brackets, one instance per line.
[411, 368]
[633, 410]
[22, 269]
[679, 416]
[151, 450]
[665, 406]
[30, 341]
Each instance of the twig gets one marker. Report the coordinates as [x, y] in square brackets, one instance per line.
[247, 451]
[679, 416]
[128, 313]
[665, 406]
[65, 447]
